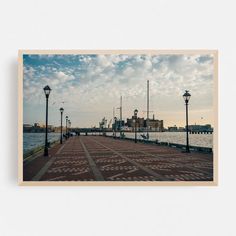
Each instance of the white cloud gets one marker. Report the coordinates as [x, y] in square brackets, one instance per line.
[104, 61]
[62, 77]
[98, 82]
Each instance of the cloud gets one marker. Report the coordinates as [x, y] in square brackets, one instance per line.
[104, 61]
[62, 77]
[95, 83]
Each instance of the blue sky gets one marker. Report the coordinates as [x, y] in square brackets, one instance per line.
[89, 86]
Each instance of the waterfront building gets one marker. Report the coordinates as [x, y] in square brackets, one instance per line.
[200, 128]
[131, 122]
[27, 127]
[37, 128]
[173, 129]
[181, 129]
[154, 125]
[119, 125]
[143, 124]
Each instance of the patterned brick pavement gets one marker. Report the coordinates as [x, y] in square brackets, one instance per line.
[96, 158]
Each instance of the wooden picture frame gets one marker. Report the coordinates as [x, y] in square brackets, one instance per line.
[23, 182]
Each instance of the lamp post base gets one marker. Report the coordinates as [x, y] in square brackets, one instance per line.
[45, 151]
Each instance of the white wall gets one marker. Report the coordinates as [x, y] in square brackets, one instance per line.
[123, 24]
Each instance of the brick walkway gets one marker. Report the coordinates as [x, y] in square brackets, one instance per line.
[96, 158]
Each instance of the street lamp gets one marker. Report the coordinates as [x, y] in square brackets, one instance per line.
[61, 110]
[115, 118]
[66, 126]
[69, 123]
[135, 126]
[186, 97]
[47, 91]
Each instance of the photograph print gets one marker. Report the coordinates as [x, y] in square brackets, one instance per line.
[122, 117]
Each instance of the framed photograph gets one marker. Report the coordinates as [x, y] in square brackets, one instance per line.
[118, 117]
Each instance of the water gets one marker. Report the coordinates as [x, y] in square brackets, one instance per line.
[201, 140]
[33, 140]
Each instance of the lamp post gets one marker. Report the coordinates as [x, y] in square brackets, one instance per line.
[66, 126]
[135, 126]
[186, 97]
[61, 110]
[115, 118]
[69, 123]
[47, 91]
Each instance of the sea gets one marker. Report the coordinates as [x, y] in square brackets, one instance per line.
[33, 140]
[200, 140]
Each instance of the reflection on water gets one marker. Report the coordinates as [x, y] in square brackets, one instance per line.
[33, 140]
[201, 140]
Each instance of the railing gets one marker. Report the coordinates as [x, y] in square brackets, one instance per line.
[174, 145]
[37, 150]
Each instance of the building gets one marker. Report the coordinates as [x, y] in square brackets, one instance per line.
[27, 128]
[154, 125]
[119, 124]
[37, 128]
[143, 124]
[181, 129]
[131, 122]
[200, 128]
[173, 129]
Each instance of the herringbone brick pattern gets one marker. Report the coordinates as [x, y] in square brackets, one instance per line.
[96, 158]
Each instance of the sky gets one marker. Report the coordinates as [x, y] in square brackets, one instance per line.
[89, 86]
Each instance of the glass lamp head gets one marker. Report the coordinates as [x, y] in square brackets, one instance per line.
[47, 91]
[186, 96]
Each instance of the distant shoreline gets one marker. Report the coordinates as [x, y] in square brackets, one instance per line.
[110, 131]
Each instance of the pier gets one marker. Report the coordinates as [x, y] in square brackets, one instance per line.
[99, 158]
